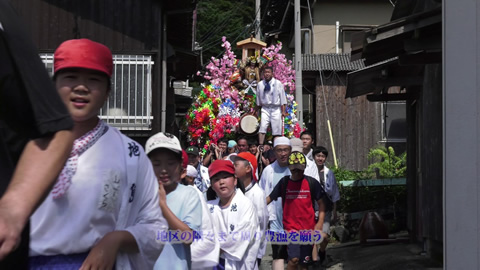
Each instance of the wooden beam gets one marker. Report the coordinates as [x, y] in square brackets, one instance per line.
[423, 44]
[420, 58]
[398, 81]
[390, 97]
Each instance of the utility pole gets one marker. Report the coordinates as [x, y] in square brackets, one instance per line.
[257, 19]
[298, 63]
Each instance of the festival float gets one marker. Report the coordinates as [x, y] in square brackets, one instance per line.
[225, 106]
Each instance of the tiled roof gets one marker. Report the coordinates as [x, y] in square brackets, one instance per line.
[331, 62]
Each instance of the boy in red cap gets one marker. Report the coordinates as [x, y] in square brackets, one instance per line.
[245, 167]
[103, 210]
[234, 216]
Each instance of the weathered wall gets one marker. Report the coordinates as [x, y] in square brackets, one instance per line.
[356, 123]
[127, 27]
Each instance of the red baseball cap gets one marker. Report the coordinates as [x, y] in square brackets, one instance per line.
[250, 158]
[221, 165]
[83, 53]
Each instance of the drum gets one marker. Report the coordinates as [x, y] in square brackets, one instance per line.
[249, 124]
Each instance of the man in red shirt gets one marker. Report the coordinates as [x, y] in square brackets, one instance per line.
[298, 193]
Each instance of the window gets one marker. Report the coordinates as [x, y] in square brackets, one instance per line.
[346, 35]
[394, 123]
[129, 106]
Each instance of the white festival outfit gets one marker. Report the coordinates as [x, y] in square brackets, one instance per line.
[271, 175]
[114, 188]
[236, 226]
[309, 155]
[271, 102]
[258, 198]
[206, 250]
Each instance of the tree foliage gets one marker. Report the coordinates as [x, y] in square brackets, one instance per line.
[218, 18]
[272, 12]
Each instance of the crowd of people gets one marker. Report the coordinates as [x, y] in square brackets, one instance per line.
[114, 205]
[238, 209]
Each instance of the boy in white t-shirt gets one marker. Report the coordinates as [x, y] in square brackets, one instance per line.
[180, 204]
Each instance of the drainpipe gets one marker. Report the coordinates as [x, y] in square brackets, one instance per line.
[308, 42]
[337, 34]
[163, 115]
[298, 63]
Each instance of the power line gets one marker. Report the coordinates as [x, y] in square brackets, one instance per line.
[222, 23]
[215, 28]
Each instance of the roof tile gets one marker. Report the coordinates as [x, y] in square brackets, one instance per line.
[331, 62]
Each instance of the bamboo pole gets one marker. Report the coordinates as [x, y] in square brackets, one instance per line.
[333, 144]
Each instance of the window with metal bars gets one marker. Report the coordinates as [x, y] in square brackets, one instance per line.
[129, 106]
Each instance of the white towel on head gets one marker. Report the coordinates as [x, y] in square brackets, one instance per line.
[191, 171]
[281, 141]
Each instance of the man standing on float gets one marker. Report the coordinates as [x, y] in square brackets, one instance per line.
[271, 101]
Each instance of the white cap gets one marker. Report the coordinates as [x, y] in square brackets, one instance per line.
[297, 144]
[281, 141]
[163, 140]
[191, 171]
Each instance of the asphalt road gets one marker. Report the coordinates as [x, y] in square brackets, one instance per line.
[352, 255]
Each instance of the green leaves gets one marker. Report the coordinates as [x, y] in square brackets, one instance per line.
[342, 174]
[387, 163]
[217, 18]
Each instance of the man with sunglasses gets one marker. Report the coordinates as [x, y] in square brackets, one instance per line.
[270, 177]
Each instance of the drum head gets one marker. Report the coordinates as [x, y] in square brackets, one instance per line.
[249, 124]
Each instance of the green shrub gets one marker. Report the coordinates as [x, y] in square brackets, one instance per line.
[356, 199]
[342, 174]
[387, 163]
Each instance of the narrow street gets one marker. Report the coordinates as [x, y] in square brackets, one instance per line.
[351, 255]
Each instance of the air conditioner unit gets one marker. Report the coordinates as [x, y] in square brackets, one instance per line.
[180, 84]
[182, 88]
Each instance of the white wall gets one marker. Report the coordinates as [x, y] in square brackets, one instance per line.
[351, 12]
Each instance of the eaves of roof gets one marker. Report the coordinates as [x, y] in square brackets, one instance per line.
[330, 62]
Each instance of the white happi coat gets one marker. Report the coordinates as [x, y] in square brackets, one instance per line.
[205, 251]
[239, 220]
[258, 198]
[114, 189]
[266, 183]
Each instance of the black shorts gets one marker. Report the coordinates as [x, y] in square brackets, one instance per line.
[302, 252]
[279, 252]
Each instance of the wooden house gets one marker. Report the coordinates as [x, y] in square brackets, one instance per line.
[326, 31]
[152, 44]
[407, 53]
